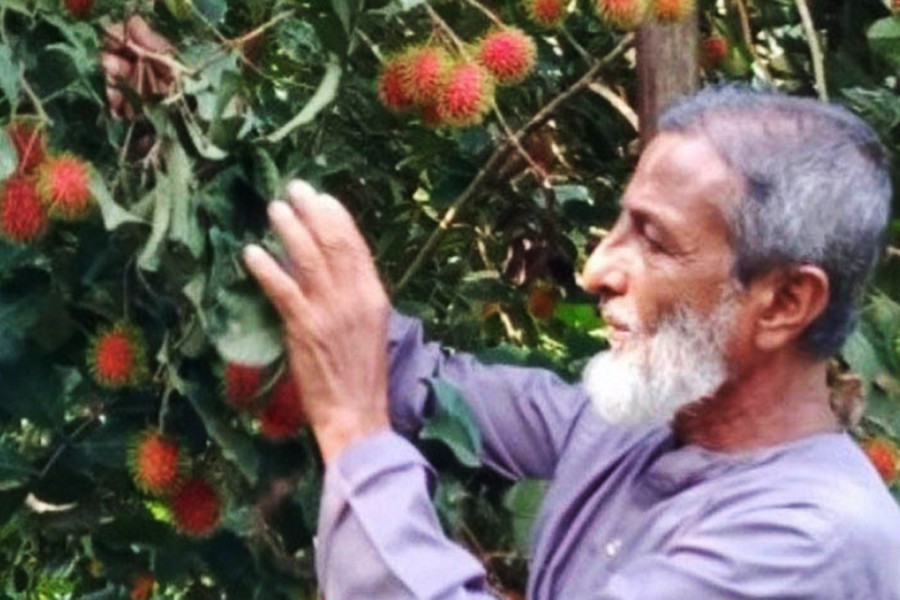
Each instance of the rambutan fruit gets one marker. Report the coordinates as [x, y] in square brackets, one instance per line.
[623, 14]
[117, 356]
[548, 13]
[23, 218]
[142, 587]
[79, 8]
[30, 145]
[883, 455]
[431, 116]
[542, 302]
[424, 72]
[283, 415]
[155, 462]
[508, 54]
[392, 85]
[242, 384]
[64, 183]
[196, 508]
[467, 95]
[672, 11]
[713, 51]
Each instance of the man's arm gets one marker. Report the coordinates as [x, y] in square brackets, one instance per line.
[524, 415]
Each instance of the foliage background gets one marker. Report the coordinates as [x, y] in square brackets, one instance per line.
[280, 89]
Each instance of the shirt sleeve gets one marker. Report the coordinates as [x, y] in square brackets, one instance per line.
[772, 554]
[379, 537]
[525, 415]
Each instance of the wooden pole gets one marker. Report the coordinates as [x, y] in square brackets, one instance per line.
[667, 68]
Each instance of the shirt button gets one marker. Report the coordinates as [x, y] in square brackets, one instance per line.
[613, 547]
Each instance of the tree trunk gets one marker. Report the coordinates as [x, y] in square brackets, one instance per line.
[667, 68]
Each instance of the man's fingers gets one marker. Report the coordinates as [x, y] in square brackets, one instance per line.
[280, 287]
[301, 248]
[115, 67]
[330, 224]
[140, 32]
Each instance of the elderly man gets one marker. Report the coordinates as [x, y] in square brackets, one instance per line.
[699, 459]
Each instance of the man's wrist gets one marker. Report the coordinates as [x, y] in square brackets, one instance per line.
[335, 437]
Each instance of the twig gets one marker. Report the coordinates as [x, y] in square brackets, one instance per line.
[499, 154]
[815, 50]
[617, 102]
[517, 144]
[487, 12]
[38, 106]
[585, 55]
[439, 20]
[376, 51]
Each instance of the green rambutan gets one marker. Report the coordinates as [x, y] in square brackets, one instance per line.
[467, 95]
[196, 508]
[155, 462]
[23, 218]
[392, 85]
[64, 183]
[508, 54]
[623, 14]
[548, 13]
[117, 356]
[283, 415]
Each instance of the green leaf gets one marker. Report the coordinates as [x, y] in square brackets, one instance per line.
[8, 157]
[114, 216]
[581, 316]
[884, 38]
[33, 389]
[863, 358]
[347, 11]
[244, 327]
[9, 75]
[213, 10]
[14, 469]
[523, 500]
[452, 424]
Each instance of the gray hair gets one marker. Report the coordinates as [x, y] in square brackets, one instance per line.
[817, 191]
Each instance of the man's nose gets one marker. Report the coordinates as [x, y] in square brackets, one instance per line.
[605, 270]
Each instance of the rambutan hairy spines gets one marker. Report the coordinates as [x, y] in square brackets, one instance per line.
[64, 183]
[243, 384]
[672, 11]
[467, 95]
[117, 356]
[23, 218]
[393, 90]
[425, 69]
[30, 145]
[283, 415]
[509, 54]
[196, 507]
[547, 13]
[713, 51]
[156, 463]
[884, 456]
[623, 14]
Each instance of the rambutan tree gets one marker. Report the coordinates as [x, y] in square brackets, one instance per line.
[151, 438]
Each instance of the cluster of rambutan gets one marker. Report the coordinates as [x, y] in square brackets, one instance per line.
[42, 187]
[159, 467]
[456, 91]
[276, 406]
[631, 14]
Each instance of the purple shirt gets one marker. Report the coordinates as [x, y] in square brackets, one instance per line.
[630, 514]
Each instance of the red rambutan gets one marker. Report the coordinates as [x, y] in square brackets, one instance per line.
[64, 183]
[243, 384]
[155, 463]
[23, 218]
[508, 54]
[623, 14]
[142, 587]
[196, 508]
[424, 72]
[467, 95]
[79, 8]
[117, 356]
[549, 13]
[713, 51]
[283, 416]
[883, 455]
[392, 85]
[671, 11]
[30, 145]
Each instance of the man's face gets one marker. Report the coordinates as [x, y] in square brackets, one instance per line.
[664, 279]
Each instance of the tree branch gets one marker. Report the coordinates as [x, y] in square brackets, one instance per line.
[815, 50]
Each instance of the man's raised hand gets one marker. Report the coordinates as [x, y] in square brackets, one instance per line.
[335, 313]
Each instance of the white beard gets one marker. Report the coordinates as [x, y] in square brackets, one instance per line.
[653, 376]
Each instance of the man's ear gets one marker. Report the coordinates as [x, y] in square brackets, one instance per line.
[788, 300]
